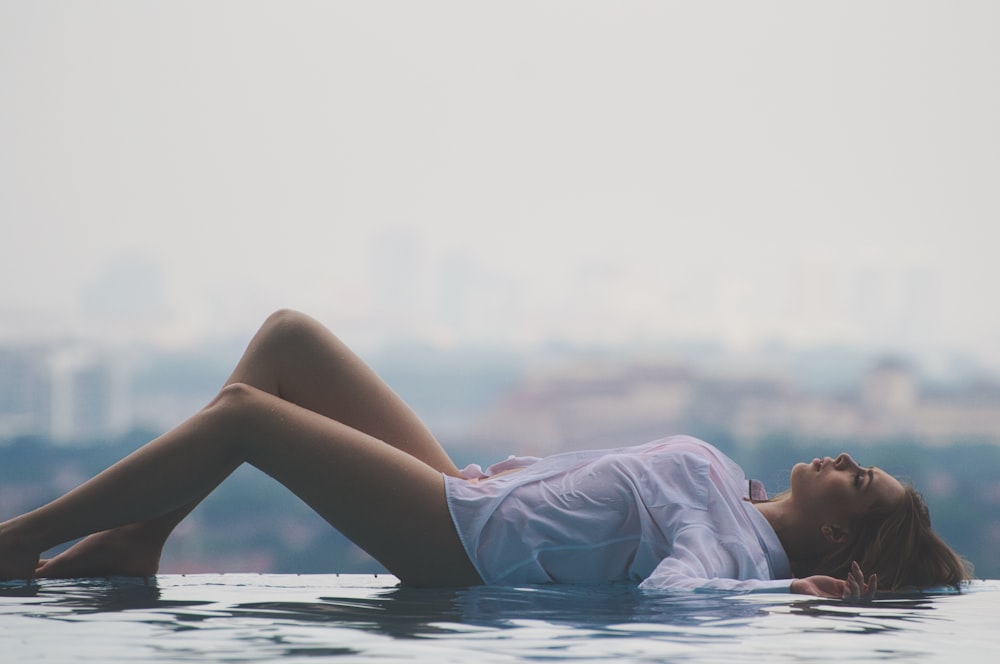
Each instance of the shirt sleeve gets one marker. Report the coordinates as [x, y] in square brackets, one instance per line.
[700, 562]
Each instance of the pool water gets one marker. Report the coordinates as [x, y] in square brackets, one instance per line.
[289, 618]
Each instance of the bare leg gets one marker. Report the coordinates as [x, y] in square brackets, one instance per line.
[386, 500]
[295, 358]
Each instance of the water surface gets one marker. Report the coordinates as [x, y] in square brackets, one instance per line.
[289, 618]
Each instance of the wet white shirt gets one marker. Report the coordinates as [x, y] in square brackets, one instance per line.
[671, 514]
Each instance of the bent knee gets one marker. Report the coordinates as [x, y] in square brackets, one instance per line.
[235, 396]
[288, 323]
[287, 318]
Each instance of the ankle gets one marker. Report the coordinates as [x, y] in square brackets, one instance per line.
[18, 554]
[14, 534]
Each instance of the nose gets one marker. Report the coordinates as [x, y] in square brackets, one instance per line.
[845, 460]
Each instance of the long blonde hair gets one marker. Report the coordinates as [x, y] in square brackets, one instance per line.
[899, 546]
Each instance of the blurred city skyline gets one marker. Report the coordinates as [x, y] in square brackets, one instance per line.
[513, 174]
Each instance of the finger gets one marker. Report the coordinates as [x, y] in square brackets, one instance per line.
[853, 589]
[872, 586]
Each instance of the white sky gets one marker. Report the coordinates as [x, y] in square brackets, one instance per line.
[810, 172]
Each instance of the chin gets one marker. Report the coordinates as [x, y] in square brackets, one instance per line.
[801, 467]
[798, 470]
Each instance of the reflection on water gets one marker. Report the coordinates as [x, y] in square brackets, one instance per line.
[89, 595]
[272, 617]
[412, 612]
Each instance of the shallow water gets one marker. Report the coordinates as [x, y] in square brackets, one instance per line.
[288, 618]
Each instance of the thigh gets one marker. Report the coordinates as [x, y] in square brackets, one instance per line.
[387, 501]
[296, 358]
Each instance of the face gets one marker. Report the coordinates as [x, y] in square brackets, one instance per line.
[836, 490]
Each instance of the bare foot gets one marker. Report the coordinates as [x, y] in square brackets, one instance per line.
[119, 552]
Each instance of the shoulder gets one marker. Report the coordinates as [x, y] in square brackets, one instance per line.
[693, 452]
[688, 446]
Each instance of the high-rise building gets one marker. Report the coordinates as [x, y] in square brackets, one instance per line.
[25, 392]
[67, 395]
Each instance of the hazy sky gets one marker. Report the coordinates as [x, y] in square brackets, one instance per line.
[809, 172]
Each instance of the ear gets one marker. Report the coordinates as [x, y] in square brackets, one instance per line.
[834, 533]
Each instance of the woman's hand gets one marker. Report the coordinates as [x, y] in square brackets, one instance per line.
[855, 587]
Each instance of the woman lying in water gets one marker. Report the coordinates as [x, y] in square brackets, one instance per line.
[672, 514]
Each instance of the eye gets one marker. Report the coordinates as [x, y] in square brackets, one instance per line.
[859, 478]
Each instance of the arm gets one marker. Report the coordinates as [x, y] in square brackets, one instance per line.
[700, 562]
[854, 587]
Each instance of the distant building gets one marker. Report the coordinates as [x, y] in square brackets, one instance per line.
[25, 392]
[65, 394]
[607, 405]
[891, 388]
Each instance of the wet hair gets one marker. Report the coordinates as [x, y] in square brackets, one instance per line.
[899, 546]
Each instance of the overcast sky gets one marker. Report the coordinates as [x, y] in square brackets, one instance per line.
[807, 172]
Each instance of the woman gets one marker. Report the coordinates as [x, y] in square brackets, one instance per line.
[305, 410]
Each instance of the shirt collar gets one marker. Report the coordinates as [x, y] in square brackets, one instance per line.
[777, 559]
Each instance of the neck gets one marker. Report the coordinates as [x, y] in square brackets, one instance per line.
[800, 540]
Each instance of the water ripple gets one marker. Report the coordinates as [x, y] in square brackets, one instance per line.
[270, 618]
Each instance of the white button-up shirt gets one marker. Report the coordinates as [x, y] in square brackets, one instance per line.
[672, 514]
